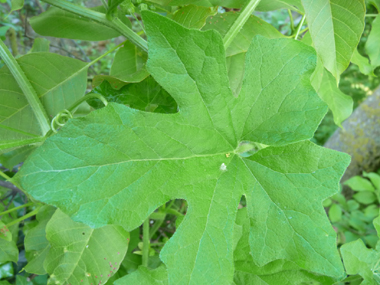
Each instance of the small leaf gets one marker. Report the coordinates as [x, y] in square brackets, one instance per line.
[353, 205]
[327, 203]
[373, 42]
[335, 27]
[371, 211]
[374, 177]
[365, 197]
[335, 213]
[79, 252]
[358, 183]
[16, 5]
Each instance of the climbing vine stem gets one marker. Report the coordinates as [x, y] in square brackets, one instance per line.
[146, 243]
[300, 27]
[240, 21]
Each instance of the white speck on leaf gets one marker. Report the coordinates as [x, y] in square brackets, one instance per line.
[223, 167]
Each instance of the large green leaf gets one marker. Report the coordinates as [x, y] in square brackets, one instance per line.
[335, 27]
[59, 82]
[373, 42]
[80, 254]
[358, 259]
[36, 244]
[59, 23]
[117, 165]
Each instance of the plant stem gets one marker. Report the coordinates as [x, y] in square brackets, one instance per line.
[101, 18]
[239, 23]
[6, 177]
[300, 26]
[371, 15]
[85, 98]
[155, 227]
[105, 4]
[26, 88]
[146, 243]
[13, 40]
[16, 208]
[291, 20]
[32, 213]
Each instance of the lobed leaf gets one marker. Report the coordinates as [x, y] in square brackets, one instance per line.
[118, 164]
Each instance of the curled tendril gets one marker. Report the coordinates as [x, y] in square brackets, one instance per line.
[57, 119]
[63, 116]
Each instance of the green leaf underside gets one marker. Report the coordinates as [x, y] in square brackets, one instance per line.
[59, 82]
[59, 23]
[129, 64]
[326, 86]
[335, 27]
[147, 95]
[118, 164]
[82, 255]
[192, 17]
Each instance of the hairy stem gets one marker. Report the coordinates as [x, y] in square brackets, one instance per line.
[300, 27]
[26, 88]
[239, 23]
[101, 18]
[146, 243]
